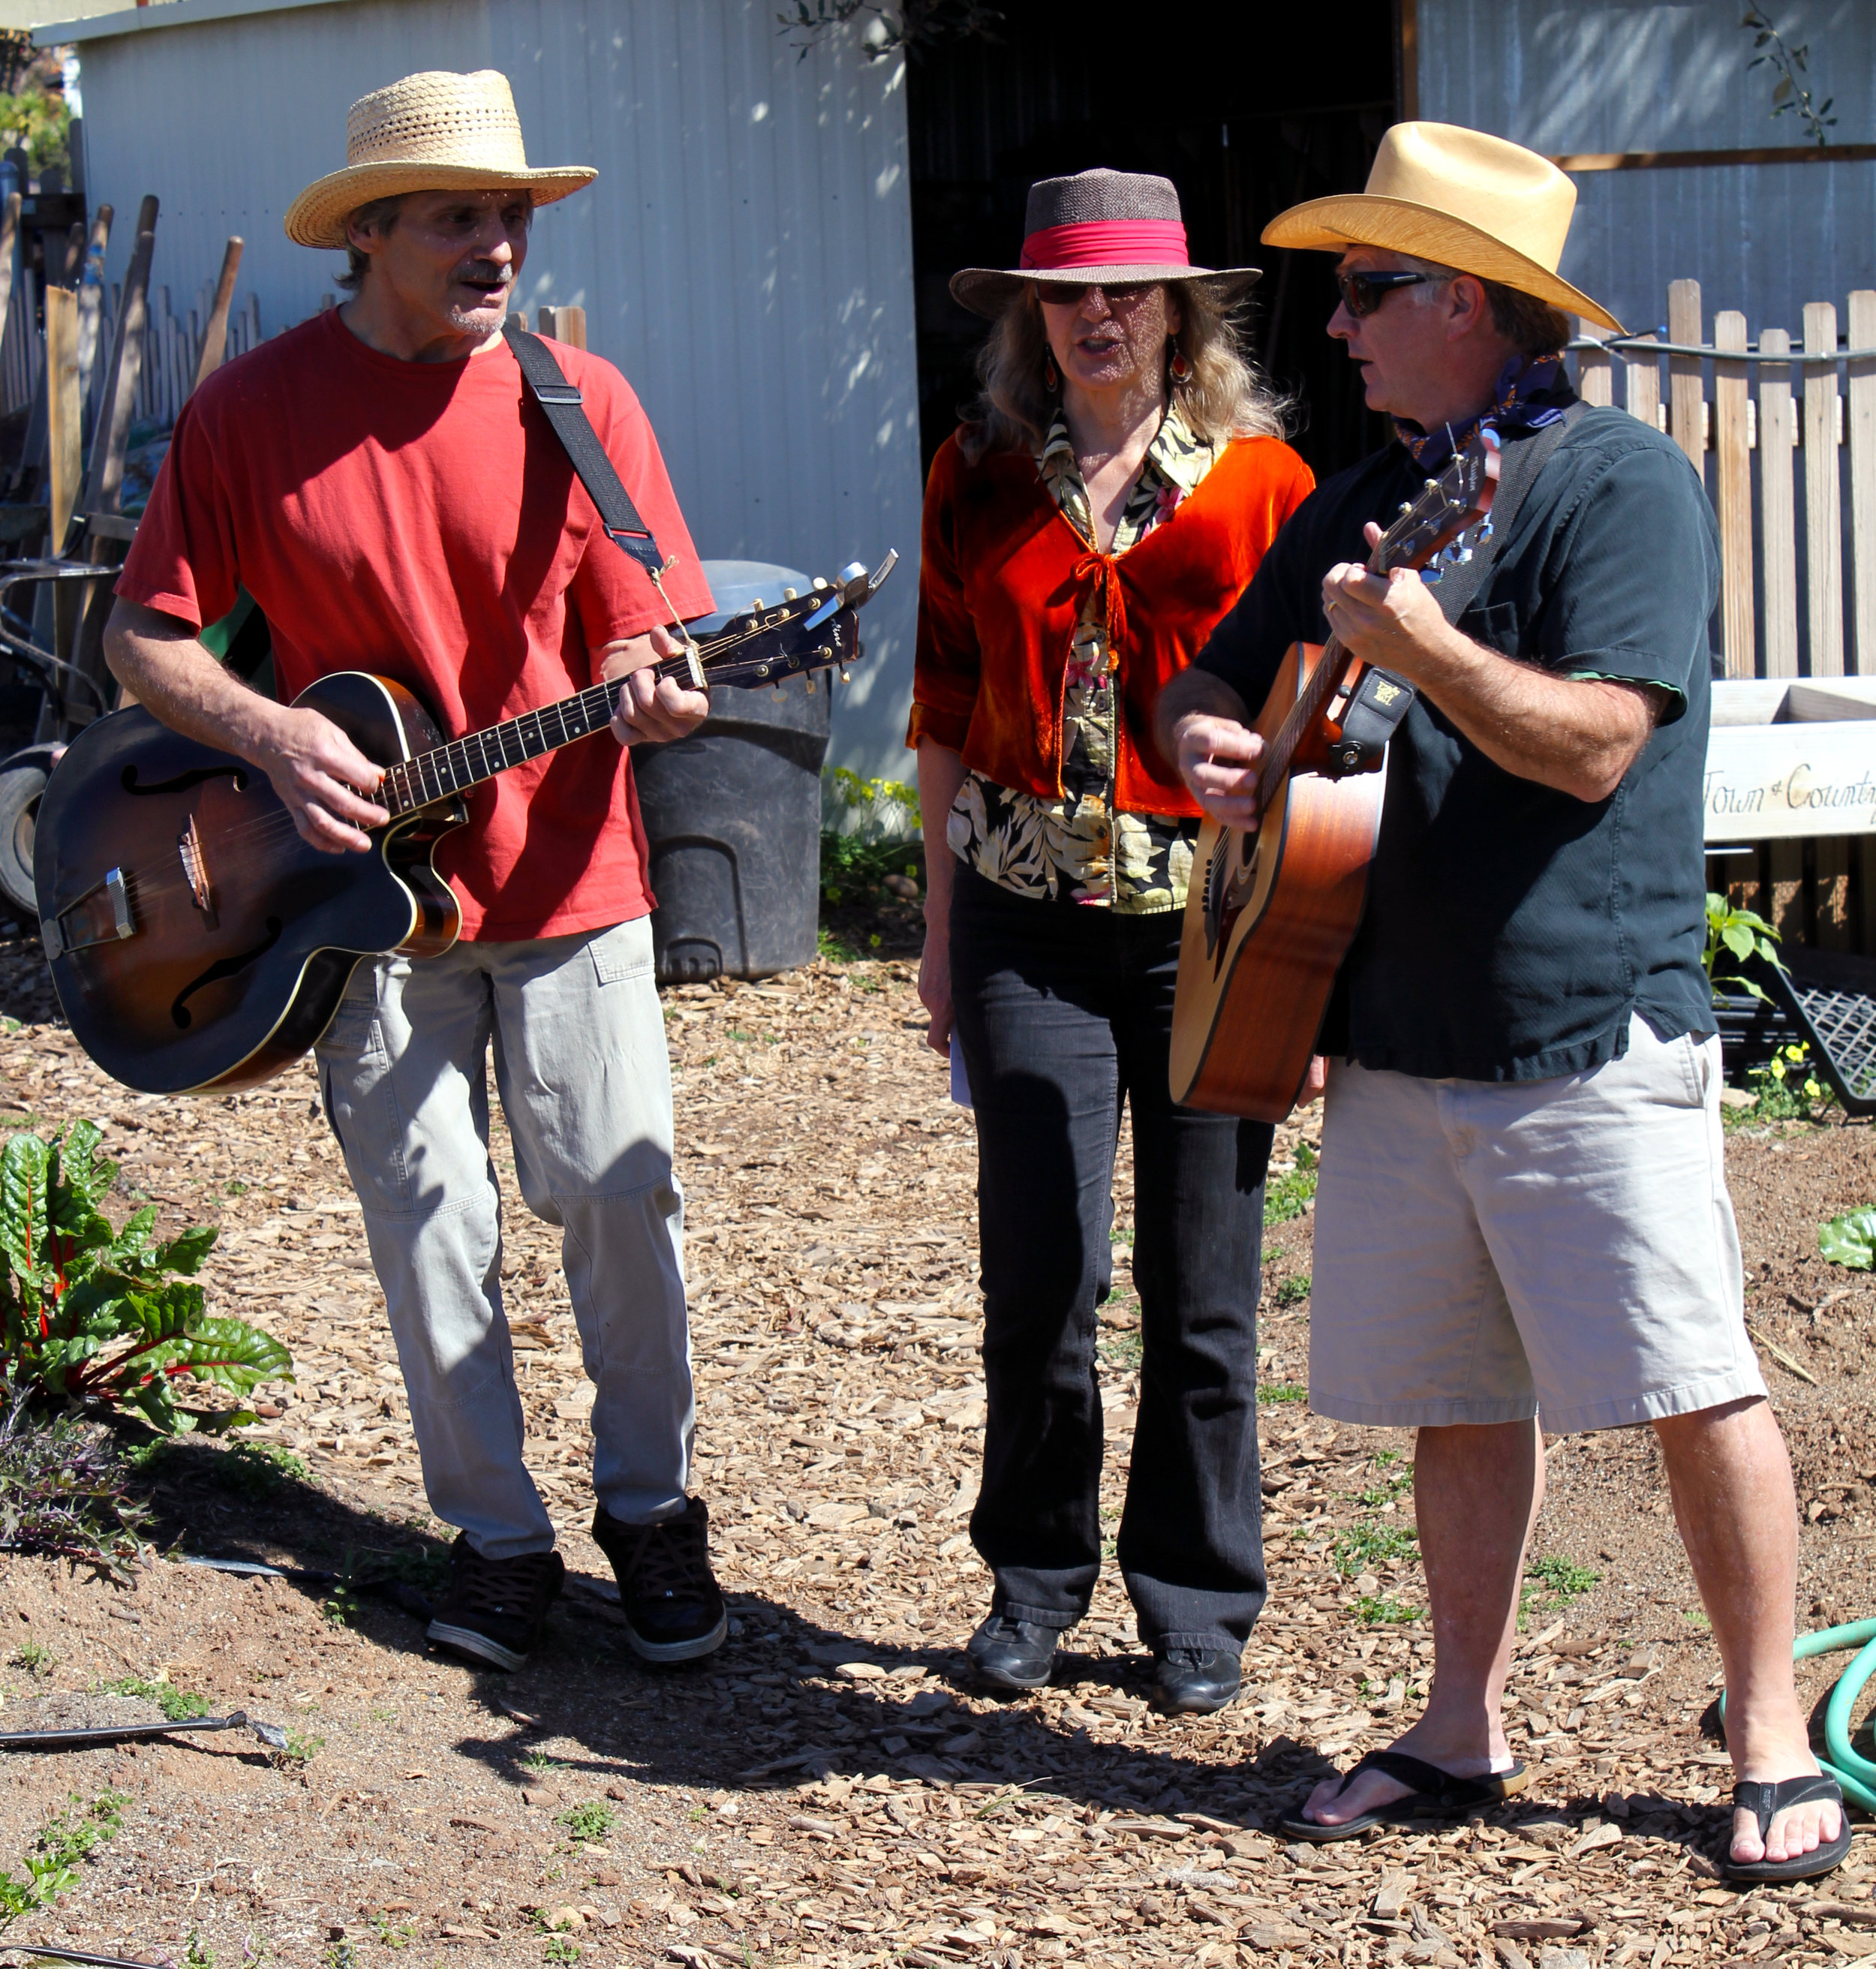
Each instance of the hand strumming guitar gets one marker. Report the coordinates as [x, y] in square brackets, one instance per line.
[651, 713]
[1201, 727]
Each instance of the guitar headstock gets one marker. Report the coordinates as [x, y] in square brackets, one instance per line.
[794, 636]
[1458, 500]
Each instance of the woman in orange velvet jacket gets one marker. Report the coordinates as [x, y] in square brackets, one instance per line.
[1109, 498]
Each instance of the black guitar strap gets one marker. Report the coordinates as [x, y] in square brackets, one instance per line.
[1382, 699]
[562, 402]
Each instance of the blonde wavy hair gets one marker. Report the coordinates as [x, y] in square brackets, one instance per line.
[1223, 396]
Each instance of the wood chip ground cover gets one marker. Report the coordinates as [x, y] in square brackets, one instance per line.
[828, 1790]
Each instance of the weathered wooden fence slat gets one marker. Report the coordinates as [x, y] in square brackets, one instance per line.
[1732, 403]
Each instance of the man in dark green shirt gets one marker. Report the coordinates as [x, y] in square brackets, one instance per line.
[1522, 1210]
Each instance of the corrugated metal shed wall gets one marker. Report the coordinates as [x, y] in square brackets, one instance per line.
[1567, 75]
[745, 257]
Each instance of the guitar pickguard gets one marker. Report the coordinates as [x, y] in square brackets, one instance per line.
[1226, 892]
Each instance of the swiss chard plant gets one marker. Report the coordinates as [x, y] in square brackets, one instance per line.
[91, 1313]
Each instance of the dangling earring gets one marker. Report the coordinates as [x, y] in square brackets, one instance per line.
[1051, 380]
[1179, 368]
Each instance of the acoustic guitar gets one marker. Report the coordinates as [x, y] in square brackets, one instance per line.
[198, 943]
[1271, 911]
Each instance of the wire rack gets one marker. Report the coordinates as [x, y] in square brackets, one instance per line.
[1832, 998]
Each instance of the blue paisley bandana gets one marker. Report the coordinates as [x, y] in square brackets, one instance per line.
[1531, 392]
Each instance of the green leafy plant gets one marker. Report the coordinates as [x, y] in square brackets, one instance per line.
[393, 1935]
[1283, 1391]
[1739, 935]
[300, 1750]
[562, 1948]
[342, 1955]
[89, 1312]
[1293, 1292]
[178, 1705]
[1361, 1548]
[37, 118]
[1850, 1240]
[196, 1953]
[1389, 1490]
[33, 1656]
[1378, 1610]
[1289, 1195]
[1790, 96]
[256, 1470]
[63, 1844]
[591, 1822]
[1552, 1583]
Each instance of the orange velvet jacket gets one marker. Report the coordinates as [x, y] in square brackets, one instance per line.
[1001, 585]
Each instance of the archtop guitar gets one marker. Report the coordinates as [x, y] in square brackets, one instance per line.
[197, 942]
[1271, 911]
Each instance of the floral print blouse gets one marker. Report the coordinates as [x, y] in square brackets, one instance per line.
[1078, 849]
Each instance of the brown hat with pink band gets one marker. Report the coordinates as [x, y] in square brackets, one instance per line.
[1102, 229]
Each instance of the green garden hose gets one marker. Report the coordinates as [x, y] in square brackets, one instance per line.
[1856, 1774]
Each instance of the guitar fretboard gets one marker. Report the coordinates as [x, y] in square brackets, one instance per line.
[446, 770]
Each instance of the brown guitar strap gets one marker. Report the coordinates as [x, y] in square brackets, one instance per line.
[1382, 699]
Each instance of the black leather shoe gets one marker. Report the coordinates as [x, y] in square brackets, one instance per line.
[1013, 1654]
[1194, 1682]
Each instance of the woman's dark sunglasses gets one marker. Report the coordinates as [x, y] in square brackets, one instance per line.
[1067, 294]
[1362, 294]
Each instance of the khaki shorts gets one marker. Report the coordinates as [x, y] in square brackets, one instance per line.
[1487, 1251]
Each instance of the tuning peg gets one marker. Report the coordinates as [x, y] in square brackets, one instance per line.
[789, 594]
[819, 584]
[809, 682]
[757, 603]
[846, 676]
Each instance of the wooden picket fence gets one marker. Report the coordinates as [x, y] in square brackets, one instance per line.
[172, 349]
[1783, 436]
[1799, 594]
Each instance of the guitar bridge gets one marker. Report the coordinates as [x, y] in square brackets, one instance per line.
[195, 872]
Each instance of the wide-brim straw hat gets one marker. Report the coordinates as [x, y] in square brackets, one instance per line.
[1439, 192]
[437, 131]
[1102, 229]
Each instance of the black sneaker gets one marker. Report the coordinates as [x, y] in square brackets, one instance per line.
[493, 1610]
[674, 1610]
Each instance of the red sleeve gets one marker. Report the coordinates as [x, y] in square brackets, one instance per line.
[182, 561]
[948, 661]
[612, 592]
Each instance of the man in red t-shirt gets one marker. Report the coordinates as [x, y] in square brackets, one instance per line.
[381, 481]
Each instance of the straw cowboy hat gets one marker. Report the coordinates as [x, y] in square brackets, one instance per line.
[1440, 193]
[432, 132]
[1101, 229]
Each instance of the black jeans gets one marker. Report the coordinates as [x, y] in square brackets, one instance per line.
[1065, 1014]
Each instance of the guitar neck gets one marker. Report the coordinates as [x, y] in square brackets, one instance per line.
[447, 770]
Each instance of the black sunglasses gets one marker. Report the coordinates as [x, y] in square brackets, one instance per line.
[1362, 294]
[1067, 294]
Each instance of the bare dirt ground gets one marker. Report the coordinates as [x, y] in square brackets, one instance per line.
[827, 1790]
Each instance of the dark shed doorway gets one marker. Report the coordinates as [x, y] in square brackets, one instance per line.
[1247, 110]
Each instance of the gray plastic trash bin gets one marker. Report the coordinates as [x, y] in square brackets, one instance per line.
[733, 813]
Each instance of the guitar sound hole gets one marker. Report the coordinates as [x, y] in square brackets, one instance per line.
[228, 967]
[182, 782]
